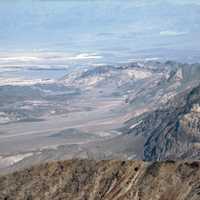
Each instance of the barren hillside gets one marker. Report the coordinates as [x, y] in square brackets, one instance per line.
[108, 180]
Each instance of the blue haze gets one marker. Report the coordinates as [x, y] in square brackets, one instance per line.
[114, 28]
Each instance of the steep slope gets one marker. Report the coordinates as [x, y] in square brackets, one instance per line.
[172, 131]
[105, 180]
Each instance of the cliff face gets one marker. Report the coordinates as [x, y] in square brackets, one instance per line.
[173, 130]
[109, 180]
[190, 122]
[178, 134]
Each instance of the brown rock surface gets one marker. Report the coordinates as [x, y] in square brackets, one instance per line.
[109, 180]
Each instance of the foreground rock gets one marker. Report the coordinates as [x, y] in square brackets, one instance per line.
[110, 180]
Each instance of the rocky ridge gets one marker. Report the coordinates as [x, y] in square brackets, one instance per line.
[105, 180]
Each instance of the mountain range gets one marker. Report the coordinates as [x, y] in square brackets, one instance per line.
[144, 110]
[110, 132]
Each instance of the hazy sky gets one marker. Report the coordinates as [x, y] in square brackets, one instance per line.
[99, 25]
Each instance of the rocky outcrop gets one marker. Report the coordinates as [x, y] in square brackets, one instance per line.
[105, 180]
[172, 131]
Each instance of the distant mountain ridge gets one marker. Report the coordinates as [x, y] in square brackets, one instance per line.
[160, 113]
